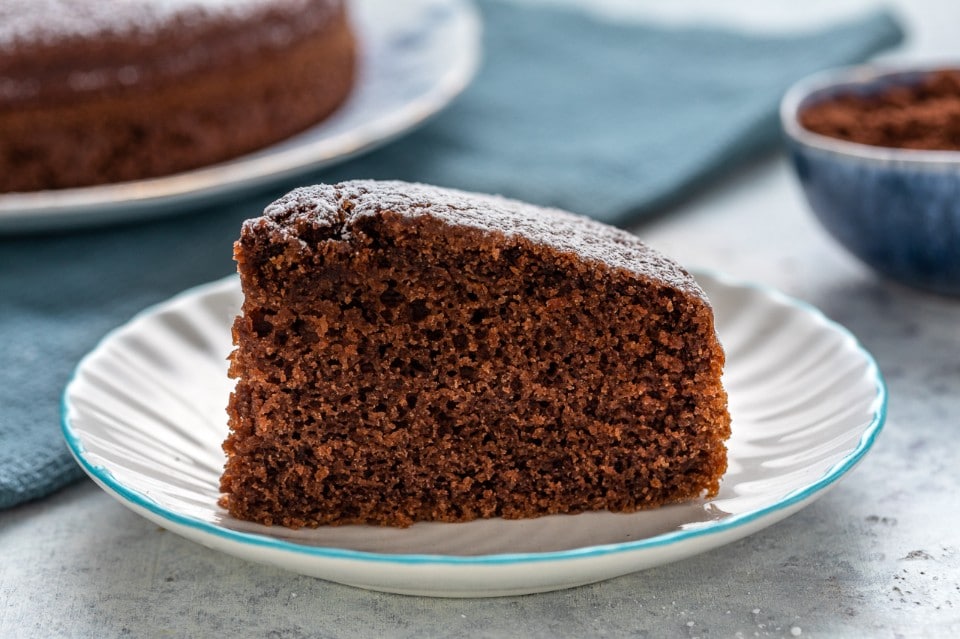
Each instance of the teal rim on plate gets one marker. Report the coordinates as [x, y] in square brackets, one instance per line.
[878, 408]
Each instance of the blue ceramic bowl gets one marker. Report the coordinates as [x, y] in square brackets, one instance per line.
[898, 210]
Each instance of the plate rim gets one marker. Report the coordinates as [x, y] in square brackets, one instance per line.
[105, 478]
[79, 207]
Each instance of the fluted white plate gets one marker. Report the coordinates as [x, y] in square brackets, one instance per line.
[415, 57]
[144, 415]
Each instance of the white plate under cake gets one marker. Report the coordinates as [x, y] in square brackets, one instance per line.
[144, 416]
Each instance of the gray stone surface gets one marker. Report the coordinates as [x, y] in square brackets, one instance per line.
[877, 556]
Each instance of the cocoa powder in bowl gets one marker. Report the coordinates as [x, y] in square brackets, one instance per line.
[921, 115]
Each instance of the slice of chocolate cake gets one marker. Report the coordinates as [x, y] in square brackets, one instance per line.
[408, 353]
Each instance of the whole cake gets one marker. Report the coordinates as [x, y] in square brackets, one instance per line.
[407, 353]
[99, 92]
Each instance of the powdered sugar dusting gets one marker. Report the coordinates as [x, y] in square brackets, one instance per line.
[54, 20]
[567, 233]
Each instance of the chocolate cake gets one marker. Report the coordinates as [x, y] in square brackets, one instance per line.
[407, 353]
[99, 92]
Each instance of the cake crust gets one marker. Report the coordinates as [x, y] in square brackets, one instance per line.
[407, 353]
[95, 93]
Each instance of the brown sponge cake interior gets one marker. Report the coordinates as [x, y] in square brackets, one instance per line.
[407, 353]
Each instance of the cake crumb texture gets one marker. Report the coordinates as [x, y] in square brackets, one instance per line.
[407, 353]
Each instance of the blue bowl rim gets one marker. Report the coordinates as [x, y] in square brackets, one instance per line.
[861, 76]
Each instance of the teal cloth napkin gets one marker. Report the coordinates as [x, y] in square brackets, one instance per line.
[613, 120]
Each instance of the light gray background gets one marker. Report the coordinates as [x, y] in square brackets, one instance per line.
[877, 556]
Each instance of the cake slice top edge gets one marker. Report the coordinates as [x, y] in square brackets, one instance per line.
[336, 208]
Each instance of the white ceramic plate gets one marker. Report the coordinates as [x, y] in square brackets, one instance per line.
[145, 415]
[416, 56]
